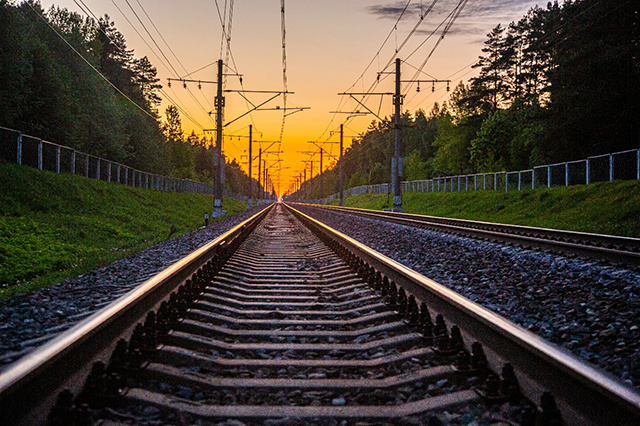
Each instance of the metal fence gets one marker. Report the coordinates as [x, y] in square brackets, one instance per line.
[35, 152]
[623, 165]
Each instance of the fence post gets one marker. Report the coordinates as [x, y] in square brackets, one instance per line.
[533, 178]
[126, 175]
[459, 183]
[638, 164]
[73, 162]
[588, 172]
[566, 174]
[548, 176]
[519, 180]
[484, 181]
[98, 168]
[506, 181]
[610, 167]
[40, 155]
[19, 149]
[86, 166]
[109, 171]
[57, 158]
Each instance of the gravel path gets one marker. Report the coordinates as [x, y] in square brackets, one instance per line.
[29, 320]
[589, 308]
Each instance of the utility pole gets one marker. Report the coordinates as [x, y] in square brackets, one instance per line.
[219, 104]
[259, 173]
[396, 164]
[311, 175]
[341, 170]
[250, 201]
[320, 175]
[264, 178]
[218, 172]
[306, 186]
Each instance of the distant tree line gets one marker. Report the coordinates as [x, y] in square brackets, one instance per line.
[560, 84]
[47, 90]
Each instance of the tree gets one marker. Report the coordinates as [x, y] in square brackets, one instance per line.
[453, 142]
[414, 167]
[145, 76]
[181, 159]
[115, 59]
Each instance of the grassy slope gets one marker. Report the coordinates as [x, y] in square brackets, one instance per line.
[606, 208]
[57, 226]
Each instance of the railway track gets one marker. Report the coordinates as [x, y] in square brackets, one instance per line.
[612, 248]
[284, 321]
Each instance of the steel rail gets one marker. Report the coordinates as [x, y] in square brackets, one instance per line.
[585, 394]
[613, 248]
[28, 387]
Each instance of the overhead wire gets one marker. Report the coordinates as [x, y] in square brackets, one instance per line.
[181, 108]
[87, 10]
[375, 56]
[284, 67]
[89, 63]
[447, 22]
[171, 66]
[233, 61]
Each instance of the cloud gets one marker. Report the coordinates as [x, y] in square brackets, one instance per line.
[495, 10]
[477, 18]
[393, 10]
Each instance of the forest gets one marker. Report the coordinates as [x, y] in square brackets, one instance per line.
[560, 84]
[49, 90]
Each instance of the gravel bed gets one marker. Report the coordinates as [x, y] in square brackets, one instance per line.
[588, 307]
[29, 320]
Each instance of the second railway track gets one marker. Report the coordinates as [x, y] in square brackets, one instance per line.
[612, 248]
[295, 324]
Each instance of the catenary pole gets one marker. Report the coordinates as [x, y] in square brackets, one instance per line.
[341, 169]
[250, 201]
[219, 104]
[397, 161]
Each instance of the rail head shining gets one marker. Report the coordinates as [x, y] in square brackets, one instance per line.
[587, 395]
[58, 361]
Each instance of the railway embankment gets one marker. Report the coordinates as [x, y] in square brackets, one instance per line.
[54, 227]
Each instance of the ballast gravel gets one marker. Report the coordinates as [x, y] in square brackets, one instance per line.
[588, 307]
[29, 320]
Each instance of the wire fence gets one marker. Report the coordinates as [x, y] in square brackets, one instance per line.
[624, 165]
[31, 151]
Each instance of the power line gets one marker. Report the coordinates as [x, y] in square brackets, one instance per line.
[89, 63]
[117, 46]
[284, 67]
[224, 37]
[151, 37]
[448, 21]
[162, 52]
[160, 34]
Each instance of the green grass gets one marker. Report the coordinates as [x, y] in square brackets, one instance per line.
[54, 227]
[604, 208]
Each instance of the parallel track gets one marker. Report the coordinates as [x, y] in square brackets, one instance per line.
[617, 249]
[297, 324]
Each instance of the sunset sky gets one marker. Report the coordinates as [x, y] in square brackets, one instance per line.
[329, 44]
